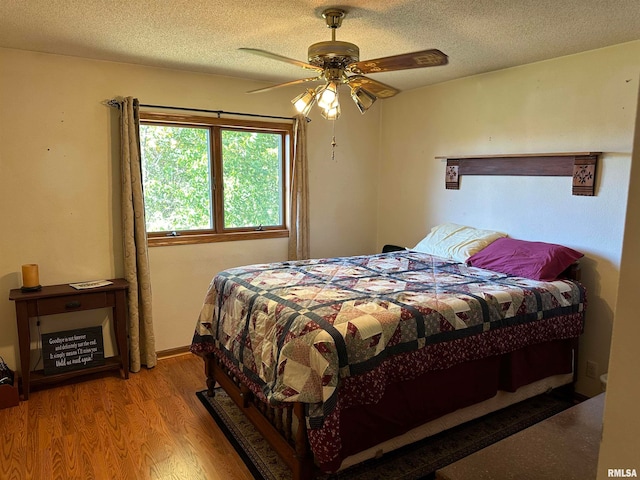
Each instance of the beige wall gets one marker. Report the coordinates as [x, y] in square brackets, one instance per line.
[59, 174]
[583, 102]
[59, 184]
[620, 444]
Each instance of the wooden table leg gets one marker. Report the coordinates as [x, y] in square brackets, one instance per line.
[24, 337]
[120, 324]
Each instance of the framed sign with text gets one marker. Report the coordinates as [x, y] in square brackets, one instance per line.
[72, 350]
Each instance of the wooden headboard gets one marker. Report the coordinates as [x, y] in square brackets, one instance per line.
[579, 165]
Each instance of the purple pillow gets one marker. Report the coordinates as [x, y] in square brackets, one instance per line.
[534, 260]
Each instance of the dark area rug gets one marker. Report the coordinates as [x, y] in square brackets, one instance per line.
[413, 462]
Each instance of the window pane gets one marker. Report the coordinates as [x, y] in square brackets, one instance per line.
[252, 179]
[176, 177]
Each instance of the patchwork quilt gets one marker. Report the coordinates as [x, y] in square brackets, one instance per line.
[297, 329]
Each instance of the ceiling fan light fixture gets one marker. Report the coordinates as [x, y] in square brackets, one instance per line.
[304, 101]
[362, 98]
[327, 95]
[331, 113]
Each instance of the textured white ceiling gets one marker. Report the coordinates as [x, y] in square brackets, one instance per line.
[204, 35]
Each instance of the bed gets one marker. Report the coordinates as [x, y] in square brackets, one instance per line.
[338, 360]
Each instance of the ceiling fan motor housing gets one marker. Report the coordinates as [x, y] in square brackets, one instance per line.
[333, 54]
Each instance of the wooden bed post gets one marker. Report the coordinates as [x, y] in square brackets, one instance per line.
[576, 344]
[304, 467]
[273, 424]
[209, 360]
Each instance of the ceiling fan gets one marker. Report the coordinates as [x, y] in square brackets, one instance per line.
[338, 63]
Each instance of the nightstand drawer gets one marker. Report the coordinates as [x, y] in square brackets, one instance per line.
[71, 303]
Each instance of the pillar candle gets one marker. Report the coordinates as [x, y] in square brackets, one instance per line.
[30, 275]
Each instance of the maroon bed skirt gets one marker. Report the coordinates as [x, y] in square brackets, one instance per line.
[414, 402]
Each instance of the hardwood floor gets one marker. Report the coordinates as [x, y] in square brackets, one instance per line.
[150, 426]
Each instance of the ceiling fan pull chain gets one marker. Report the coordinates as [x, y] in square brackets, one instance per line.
[333, 143]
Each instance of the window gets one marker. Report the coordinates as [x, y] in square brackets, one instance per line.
[208, 179]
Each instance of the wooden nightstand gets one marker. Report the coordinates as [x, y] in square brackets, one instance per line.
[55, 299]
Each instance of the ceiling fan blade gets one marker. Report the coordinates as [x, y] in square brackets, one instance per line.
[379, 89]
[405, 61]
[275, 56]
[286, 84]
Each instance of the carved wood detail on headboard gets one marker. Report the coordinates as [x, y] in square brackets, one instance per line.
[581, 166]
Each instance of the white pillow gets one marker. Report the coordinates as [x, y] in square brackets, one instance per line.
[457, 242]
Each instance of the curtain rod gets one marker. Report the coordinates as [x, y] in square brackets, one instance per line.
[116, 103]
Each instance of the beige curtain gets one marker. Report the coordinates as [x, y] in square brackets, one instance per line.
[136, 261]
[299, 222]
